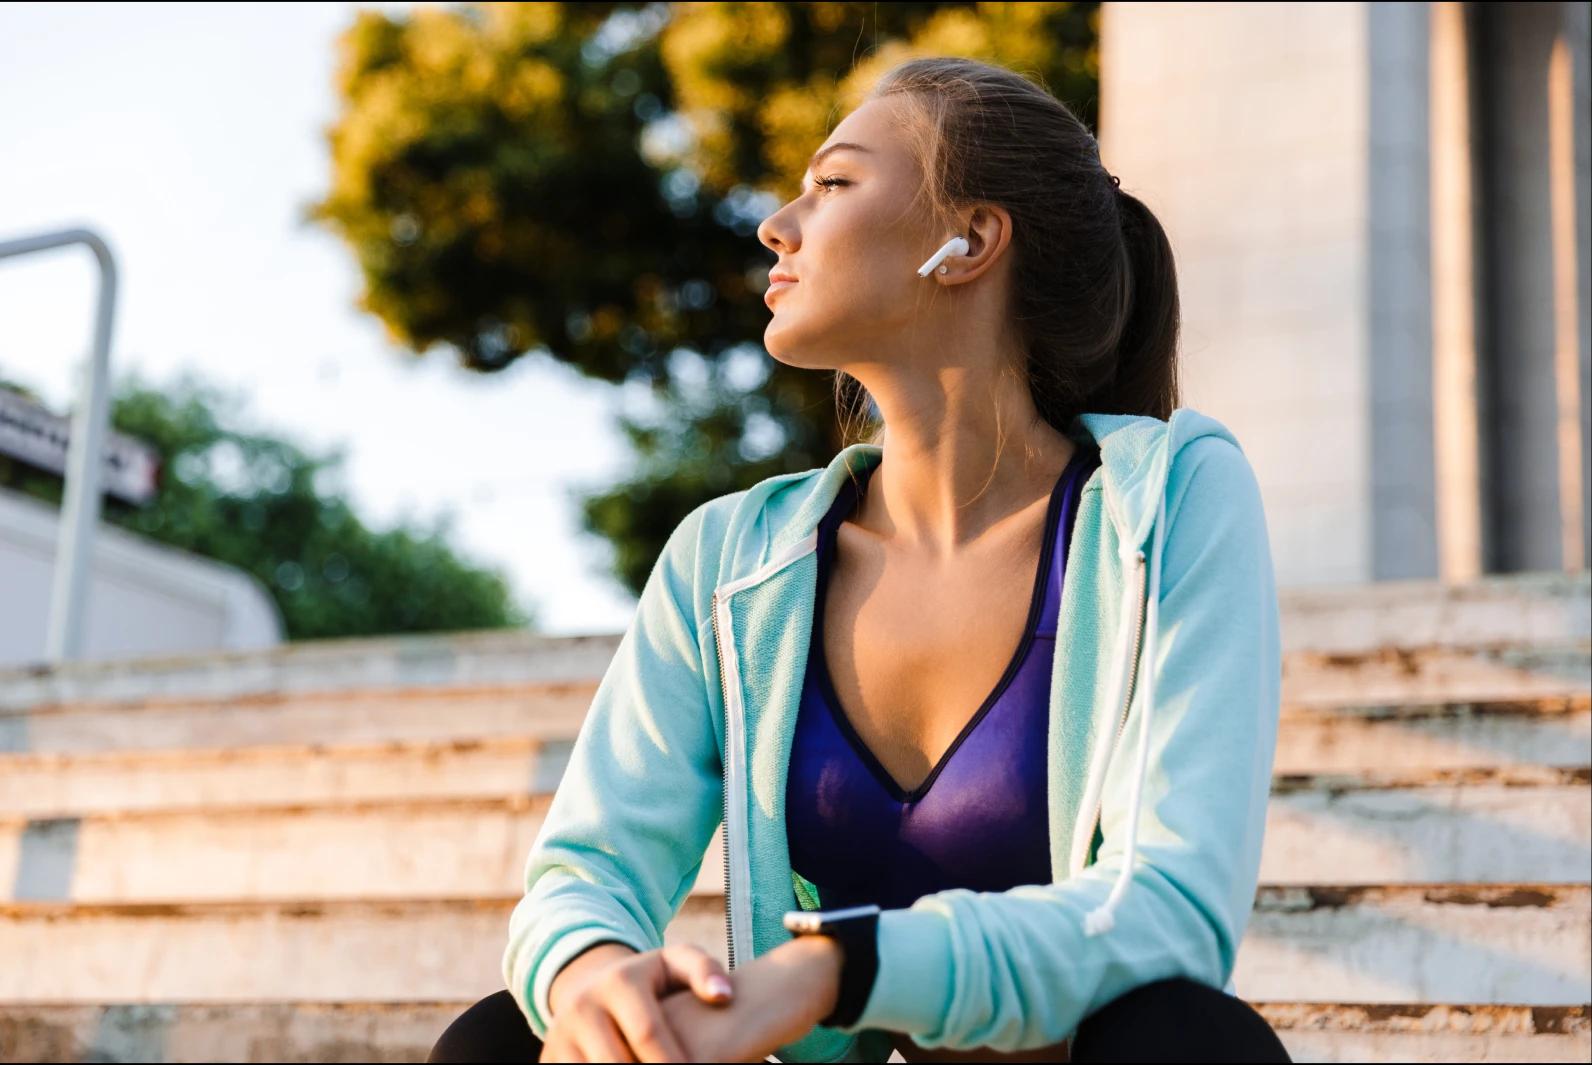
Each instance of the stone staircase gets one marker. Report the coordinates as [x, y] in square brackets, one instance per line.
[310, 854]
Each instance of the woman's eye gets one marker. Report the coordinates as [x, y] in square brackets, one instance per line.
[830, 182]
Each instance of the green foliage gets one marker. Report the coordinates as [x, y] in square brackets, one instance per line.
[257, 502]
[584, 182]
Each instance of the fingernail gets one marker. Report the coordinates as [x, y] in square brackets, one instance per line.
[717, 985]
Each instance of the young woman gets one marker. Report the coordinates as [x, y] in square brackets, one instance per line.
[994, 693]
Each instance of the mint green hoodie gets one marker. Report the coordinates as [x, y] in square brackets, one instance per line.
[1163, 721]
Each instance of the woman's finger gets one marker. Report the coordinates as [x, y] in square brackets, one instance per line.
[691, 966]
[636, 1011]
[601, 1040]
[559, 1048]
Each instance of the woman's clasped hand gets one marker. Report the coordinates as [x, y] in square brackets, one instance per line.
[662, 1005]
[617, 1012]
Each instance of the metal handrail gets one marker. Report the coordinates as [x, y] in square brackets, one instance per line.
[80, 510]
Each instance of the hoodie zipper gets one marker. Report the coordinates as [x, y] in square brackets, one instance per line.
[724, 701]
[1133, 679]
[735, 792]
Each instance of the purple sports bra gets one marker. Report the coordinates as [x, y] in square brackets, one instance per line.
[979, 820]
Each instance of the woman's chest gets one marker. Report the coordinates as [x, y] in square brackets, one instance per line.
[913, 655]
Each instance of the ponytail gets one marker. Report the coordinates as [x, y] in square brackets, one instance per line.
[1145, 381]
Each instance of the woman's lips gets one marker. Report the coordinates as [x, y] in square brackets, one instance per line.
[778, 287]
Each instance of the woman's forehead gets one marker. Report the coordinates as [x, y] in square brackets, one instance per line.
[870, 139]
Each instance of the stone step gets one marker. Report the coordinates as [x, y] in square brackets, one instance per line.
[53, 784]
[72, 784]
[439, 662]
[1551, 731]
[1491, 943]
[1390, 677]
[1496, 609]
[231, 1032]
[366, 716]
[1482, 825]
[1519, 609]
[1329, 1032]
[1401, 675]
[339, 950]
[396, 849]
[1474, 825]
[405, 1031]
[1487, 944]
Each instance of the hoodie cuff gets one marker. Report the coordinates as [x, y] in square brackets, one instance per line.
[912, 989]
[564, 949]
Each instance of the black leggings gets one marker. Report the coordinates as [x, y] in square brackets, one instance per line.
[1169, 1020]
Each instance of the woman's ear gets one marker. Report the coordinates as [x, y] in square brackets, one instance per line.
[988, 230]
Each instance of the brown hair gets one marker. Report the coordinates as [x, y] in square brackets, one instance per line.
[1095, 303]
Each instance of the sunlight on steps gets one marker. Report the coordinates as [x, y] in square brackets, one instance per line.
[310, 853]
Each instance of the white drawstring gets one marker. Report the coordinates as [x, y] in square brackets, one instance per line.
[1102, 918]
[1122, 657]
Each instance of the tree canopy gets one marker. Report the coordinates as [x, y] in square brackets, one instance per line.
[584, 181]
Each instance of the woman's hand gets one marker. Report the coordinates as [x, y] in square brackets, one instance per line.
[617, 1013]
[779, 996]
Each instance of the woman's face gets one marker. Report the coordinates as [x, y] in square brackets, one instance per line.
[854, 243]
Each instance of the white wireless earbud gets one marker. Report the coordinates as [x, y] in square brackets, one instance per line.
[954, 246]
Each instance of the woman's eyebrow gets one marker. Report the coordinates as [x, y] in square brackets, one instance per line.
[818, 156]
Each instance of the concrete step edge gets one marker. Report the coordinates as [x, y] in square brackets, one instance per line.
[1498, 776]
[1496, 895]
[529, 663]
[65, 761]
[1545, 706]
[1270, 897]
[567, 705]
[1451, 1017]
[1502, 776]
[335, 698]
[1360, 1017]
[445, 658]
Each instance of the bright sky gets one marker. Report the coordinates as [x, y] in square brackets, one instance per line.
[187, 136]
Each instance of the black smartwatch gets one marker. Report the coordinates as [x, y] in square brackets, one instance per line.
[857, 930]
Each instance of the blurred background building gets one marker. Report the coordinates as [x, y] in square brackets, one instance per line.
[1380, 214]
[145, 598]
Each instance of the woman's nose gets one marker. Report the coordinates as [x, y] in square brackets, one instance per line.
[773, 233]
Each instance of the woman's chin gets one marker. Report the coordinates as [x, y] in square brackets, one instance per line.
[785, 360]
[778, 342]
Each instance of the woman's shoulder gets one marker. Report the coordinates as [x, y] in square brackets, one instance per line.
[1207, 452]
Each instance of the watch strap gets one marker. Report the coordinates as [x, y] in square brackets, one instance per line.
[859, 940]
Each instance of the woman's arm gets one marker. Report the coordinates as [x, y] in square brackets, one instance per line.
[628, 827]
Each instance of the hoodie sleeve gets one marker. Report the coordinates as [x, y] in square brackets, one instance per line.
[1016, 970]
[628, 826]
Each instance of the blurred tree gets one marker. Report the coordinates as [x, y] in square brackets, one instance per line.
[257, 502]
[584, 181]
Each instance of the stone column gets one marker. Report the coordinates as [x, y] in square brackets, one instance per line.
[1284, 148]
